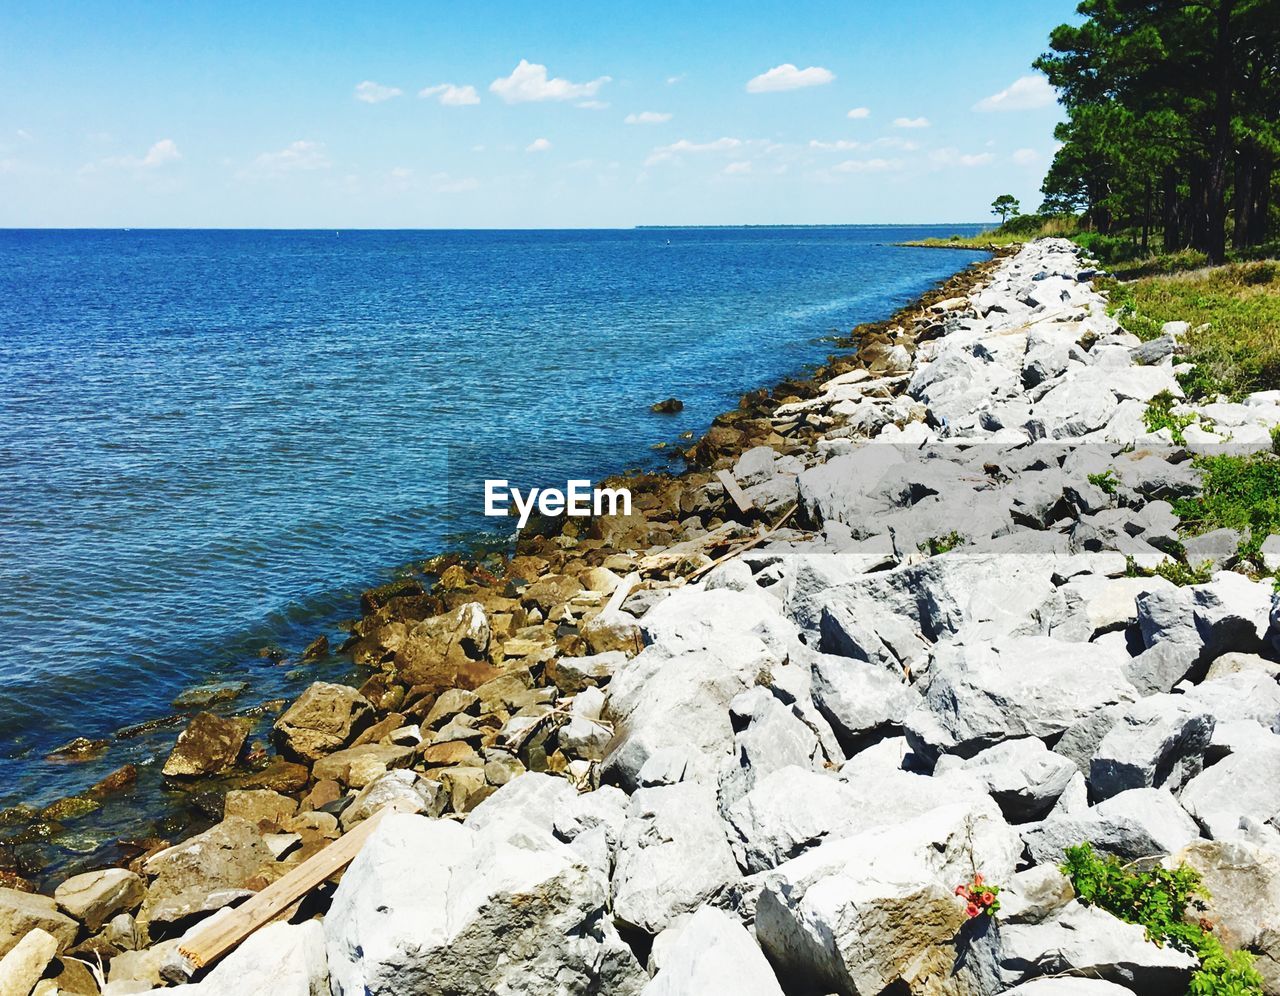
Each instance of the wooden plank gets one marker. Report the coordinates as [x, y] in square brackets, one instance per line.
[210, 944]
[736, 493]
[754, 541]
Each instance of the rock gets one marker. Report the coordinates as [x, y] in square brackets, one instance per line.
[1230, 664]
[1270, 553]
[24, 963]
[406, 791]
[1218, 549]
[1081, 941]
[95, 897]
[1023, 776]
[1135, 824]
[615, 631]
[357, 766]
[572, 674]
[22, 912]
[878, 910]
[204, 872]
[789, 811]
[1245, 784]
[209, 745]
[203, 696]
[1068, 987]
[259, 806]
[281, 959]
[859, 698]
[325, 718]
[1157, 741]
[1035, 895]
[700, 618]
[448, 651]
[503, 909]
[678, 698]
[769, 737]
[980, 694]
[672, 857]
[1242, 891]
[1250, 695]
[667, 407]
[713, 955]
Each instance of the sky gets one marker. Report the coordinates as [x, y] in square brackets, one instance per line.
[516, 115]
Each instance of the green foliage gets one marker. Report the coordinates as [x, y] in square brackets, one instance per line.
[1004, 206]
[1163, 901]
[1019, 229]
[935, 545]
[982, 898]
[1106, 482]
[1239, 492]
[1160, 415]
[1183, 574]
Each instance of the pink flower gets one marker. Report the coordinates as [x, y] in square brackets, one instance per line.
[962, 890]
[988, 898]
[972, 910]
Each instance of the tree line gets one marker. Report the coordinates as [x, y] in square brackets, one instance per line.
[1172, 120]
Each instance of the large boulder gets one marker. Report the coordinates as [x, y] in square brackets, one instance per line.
[713, 955]
[1244, 784]
[877, 910]
[1023, 776]
[672, 857]
[208, 746]
[769, 737]
[434, 906]
[677, 699]
[1134, 824]
[980, 694]
[859, 698]
[1080, 941]
[281, 959]
[325, 718]
[699, 617]
[1159, 740]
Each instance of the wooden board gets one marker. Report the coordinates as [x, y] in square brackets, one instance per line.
[736, 493]
[210, 944]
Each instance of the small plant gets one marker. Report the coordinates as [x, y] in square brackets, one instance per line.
[1106, 482]
[1184, 574]
[935, 545]
[1238, 492]
[1275, 440]
[1164, 902]
[1160, 415]
[982, 898]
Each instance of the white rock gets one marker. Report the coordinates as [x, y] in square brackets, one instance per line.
[1159, 740]
[1245, 784]
[281, 959]
[713, 955]
[1023, 776]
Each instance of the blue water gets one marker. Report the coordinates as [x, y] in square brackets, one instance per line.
[211, 441]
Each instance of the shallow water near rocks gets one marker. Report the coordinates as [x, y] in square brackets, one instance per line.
[211, 441]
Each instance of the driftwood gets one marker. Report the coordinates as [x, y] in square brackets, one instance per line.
[754, 541]
[739, 496]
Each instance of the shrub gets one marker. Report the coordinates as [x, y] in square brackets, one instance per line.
[935, 545]
[1239, 492]
[982, 898]
[1160, 415]
[1159, 900]
[1106, 482]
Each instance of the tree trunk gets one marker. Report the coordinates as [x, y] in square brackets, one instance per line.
[1220, 156]
[1242, 199]
[1172, 235]
[1260, 209]
[1146, 215]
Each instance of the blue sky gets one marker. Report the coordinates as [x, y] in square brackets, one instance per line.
[535, 115]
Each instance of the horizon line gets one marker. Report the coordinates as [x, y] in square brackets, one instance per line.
[574, 228]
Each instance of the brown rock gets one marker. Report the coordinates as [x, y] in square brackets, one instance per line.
[380, 729]
[447, 651]
[450, 753]
[259, 806]
[317, 648]
[119, 779]
[325, 791]
[337, 766]
[548, 592]
[613, 630]
[22, 912]
[95, 897]
[466, 786]
[279, 776]
[24, 964]
[452, 702]
[209, 745]
[325, 718]
[204, 873]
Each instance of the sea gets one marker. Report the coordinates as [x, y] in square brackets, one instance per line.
[212, 441]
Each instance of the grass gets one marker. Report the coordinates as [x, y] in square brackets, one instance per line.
[1238, 492]
[1160, 415]
[1234, 314]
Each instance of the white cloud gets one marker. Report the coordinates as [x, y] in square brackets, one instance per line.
[788, 77]
[952, 157]
[738, 168]
[665, 153]
[911, 122]
[401, 173]
[538, 145]
[593, 105]
[164, 151]
[868, 166]
[443, 183]
[894, 142]
[839, 145]
[858, 113]
[300, 155]
[647, 117]
[1026, 93]
[375, 93]
[673, 80]
[451, 95]
[529, 82]
[1026, 157]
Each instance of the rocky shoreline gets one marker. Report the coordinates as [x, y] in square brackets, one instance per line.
[702, 750]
